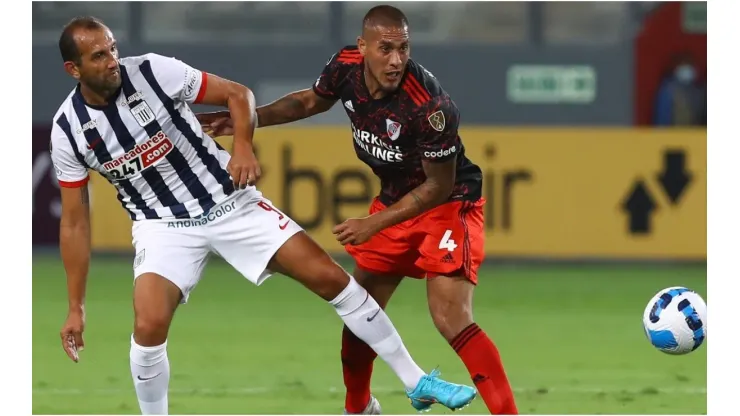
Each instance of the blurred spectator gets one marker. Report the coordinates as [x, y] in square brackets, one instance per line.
[681, 100]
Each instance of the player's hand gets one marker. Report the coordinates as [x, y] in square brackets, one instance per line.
[71, 334]
[216, 124]
[355, 231]
[244, 167]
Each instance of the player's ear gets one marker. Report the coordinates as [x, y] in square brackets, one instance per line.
[361, 45]
[72, 70]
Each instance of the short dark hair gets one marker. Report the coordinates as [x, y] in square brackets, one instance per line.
[67, 44]
[384, 15]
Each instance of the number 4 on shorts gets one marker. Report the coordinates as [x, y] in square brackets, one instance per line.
[446, 242]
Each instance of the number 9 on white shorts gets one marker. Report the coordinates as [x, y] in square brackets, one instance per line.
[245, 229]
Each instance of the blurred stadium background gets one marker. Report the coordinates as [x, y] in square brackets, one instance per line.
[592, 137]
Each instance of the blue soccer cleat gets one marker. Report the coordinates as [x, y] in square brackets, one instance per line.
[432, 389]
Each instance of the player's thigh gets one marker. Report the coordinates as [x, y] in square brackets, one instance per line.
[169, 261]
[450, 304]
[302, 259]
[176, 250]
[380, 286]
[454, 240]
[258, 240]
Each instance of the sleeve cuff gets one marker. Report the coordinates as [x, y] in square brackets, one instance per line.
[74, 184]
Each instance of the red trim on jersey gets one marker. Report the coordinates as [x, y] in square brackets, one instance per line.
[411, 94]
[415, 90]
[75, 184]
[203, 85]
[349, 52]
[349, 56]
[349, 60]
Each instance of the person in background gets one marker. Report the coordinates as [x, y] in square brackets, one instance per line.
[681, 100]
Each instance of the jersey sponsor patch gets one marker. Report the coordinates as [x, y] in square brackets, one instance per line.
[192, 79]
[441, 152]
[139, 158]
[437, 120]
[143, 114]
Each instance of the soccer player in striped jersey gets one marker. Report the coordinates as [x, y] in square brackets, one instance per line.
[129, 120]
[427, 221]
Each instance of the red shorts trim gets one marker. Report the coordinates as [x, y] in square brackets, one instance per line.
[445, 241]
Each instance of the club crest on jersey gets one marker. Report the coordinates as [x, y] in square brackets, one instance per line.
[437, 120]
[143, 114]
[394, 129]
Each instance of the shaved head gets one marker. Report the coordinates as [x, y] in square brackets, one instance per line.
[384, 16]
[384, 45]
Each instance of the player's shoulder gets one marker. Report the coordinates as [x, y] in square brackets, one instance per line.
[423, 88]
[134, 61]
[347, 56]
[64, 112]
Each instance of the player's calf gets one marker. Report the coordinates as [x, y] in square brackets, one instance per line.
[450, 303]
[155, 301]
[357, 356]
[303, 260]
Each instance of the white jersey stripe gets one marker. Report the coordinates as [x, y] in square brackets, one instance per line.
[185, 173]
[99, 146]
[219, 172]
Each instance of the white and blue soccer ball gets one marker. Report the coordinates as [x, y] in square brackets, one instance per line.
[675, 320]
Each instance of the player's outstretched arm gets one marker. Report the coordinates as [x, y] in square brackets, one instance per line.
[74, 244]
[293, 107]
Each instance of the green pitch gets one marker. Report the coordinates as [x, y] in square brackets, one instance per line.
[571, 340]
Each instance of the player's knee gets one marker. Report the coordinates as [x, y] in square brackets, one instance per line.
[151, 329]
[450, 318]
[334, 281]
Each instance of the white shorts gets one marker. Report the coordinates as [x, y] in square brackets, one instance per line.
[245, 229]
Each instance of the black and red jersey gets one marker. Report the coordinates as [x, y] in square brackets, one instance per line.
[392, 135]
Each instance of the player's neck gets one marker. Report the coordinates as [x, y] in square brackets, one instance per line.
[96, 98]
[373, 87]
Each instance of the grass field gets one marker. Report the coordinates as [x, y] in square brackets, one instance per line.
[570, 337]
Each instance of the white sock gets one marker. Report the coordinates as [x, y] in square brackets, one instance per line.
[150, 370]
[364, 317]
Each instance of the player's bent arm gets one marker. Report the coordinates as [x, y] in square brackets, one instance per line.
[239, 100]
[293, 107]
[435, 190]
[74, 242]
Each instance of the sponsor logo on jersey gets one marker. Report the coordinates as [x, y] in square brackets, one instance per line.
[92, 124]
[349, 106]
[441, 152]
[140, 157]
[376, 147]
[394, 129]
[205, 218]
[138, 95]
[192, 80]
[437, 120]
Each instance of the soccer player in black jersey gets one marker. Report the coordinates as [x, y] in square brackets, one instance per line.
[427, 222]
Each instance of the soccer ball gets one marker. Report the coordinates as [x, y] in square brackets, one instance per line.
[675, 320]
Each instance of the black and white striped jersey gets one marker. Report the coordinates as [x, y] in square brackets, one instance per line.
[147, 142]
